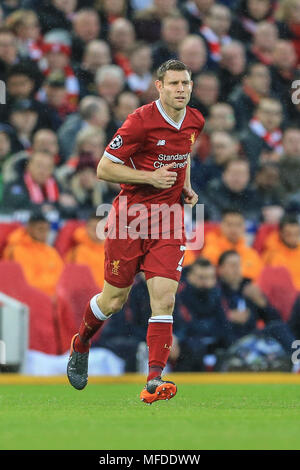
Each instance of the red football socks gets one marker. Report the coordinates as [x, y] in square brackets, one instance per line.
[89, 326]
[159, 341]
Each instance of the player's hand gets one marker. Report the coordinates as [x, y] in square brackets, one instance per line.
[190, 197]
[163, 178]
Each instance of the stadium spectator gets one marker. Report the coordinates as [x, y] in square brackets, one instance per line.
[140, 76]
[56, 14]
[288, 14]
[8, 50]
[289, 164]
[173, 31]
[56, 98]
[232, 236]
[93, 111]
[22, 81]
[44, 140]
[224, 147]
[151, 93]
[233, 191]
[90, 141]
[264, 131]
[215, 30]
[195, 12]
[245, 304]
[126, 103]
[110, 82]
[264, 41]
[86, 28]
[57, 59]
[221, 118]
[245, 97]
[110, 12]
[37, 187]
[89, 248]
[249, 14]
[23, 117]
[205, 92]
[283, 69]
[96, 54]
[283, 248]
[41, 264]
[199, 318]
[269, 192]
[25, 26]
[147, 22]
[232, 67]
[121, 38]
[192, 52]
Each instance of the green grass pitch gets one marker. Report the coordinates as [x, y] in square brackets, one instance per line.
[106, 417]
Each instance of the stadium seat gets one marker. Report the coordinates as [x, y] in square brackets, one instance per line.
[74, 289]
[276, 283]
[5, 230]
[64, 240]
[42, 328]
[262, 234]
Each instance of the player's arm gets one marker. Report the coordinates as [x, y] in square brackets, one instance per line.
[190, 197]
[117, 173]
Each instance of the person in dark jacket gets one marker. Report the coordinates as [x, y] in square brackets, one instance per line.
[232, 191]
[245, 97]
[245, 304]
[264, 131]
[200, 318]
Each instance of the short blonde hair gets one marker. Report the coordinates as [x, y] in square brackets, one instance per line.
[18, 18]
[86, 134]
[284, 10]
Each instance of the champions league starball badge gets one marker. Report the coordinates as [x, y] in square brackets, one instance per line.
[116, 143]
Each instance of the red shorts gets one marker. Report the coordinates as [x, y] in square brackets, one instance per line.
[125, 258]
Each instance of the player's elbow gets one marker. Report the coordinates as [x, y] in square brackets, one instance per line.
[101, 170]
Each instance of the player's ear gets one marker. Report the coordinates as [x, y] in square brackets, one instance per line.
[192, 84]
[158, 85]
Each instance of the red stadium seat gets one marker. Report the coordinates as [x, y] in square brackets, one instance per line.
[64, 241]
[262, 234]
[276, 283]
[42, 329]
[5, 230]
[74, 289]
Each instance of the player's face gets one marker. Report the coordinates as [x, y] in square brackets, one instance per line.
[175, 89]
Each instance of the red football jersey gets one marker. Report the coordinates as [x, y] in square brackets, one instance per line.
[149, 139]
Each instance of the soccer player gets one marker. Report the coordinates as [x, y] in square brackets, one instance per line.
[150, 157]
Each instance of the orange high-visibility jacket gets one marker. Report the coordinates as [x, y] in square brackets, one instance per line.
[278, 254]
[216, 244]
[41, 263]
[89, 253]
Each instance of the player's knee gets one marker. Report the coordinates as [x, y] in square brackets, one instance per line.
[165, 304]
[117, 303]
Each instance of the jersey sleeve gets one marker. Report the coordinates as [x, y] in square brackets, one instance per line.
[127, 140]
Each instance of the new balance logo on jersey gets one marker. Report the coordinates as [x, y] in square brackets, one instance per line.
[161, 142]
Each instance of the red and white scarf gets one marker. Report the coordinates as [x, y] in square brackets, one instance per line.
[51, 192]
[214, 42]
[273, 139]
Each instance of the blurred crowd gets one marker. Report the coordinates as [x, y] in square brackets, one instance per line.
[74, 70]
